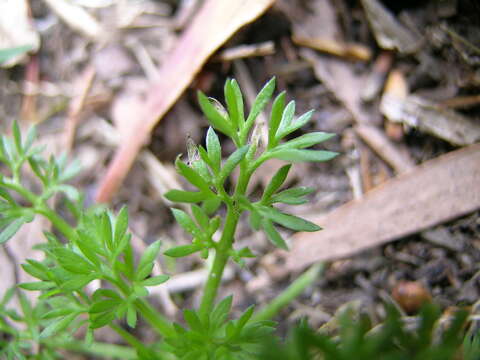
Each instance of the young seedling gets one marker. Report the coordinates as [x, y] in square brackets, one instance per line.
[97, 245]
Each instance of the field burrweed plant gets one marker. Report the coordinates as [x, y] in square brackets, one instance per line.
[94, 244]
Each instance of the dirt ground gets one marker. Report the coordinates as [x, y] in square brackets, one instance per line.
[398, 82]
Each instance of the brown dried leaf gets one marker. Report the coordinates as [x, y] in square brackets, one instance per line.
[436, 191]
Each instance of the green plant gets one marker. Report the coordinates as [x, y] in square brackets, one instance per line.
[95, 245]
[9, 53]
[427, 339]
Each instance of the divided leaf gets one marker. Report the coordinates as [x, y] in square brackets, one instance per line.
[294, 155]
[220, 312]
[234, 99]
[232, 161]
[218, 120]
[200, 216]
[192, 176]
[288, 221]
[186, 196]
[77, 282]
[193, 320]
[183, 250]
[58, 325]
[36, 269]
[214, 150]
[293, 196]
[277, 181]
[287, 118]
[11, 229]
[306, 140]
[297, 124]
[155, 280]
[148, 258]
[104, 228]
[186, 222]
[131, 316]
[121, 225]
[273, 235]
[275, 118]
[72, 262]
[17, 136]
[260, 101]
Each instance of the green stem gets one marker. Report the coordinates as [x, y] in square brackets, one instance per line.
[57, 221]
[157, 321]
[42, 208]
[243, 179]
[286, 297]
[152, 316]
[18, 188]
[96, 349]
[130, 339]
[222, 251]
[219, 262]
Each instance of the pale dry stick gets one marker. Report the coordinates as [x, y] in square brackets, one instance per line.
[461, 101]
[377, 140]
[365, 157]
[354, 175]
[353, 161]
[76, 106]
[77, 18]
[29, 101]
[245, 51]
[143, 58]
[185, 12]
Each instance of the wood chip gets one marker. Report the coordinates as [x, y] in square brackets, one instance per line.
[330, 46]
[389, 33]
[436, 191]
[77, 18]
[245, 51]
[374, 82]
[431, 118]
[396, 85]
